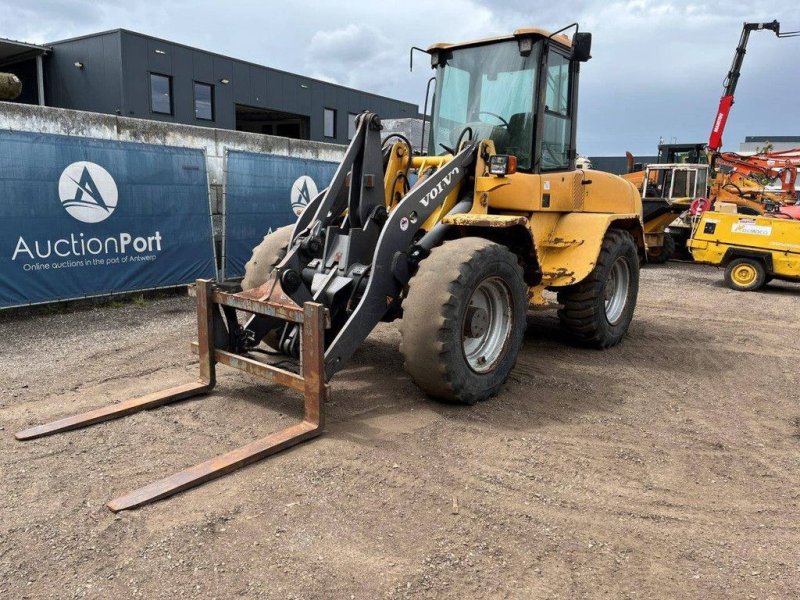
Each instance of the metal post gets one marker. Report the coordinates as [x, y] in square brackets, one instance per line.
[313, 348]
[205, 331]
[40, 79]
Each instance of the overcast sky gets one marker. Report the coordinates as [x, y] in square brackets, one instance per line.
[657, 66]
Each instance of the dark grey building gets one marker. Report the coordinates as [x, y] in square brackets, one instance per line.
[135, 75]
[756, 143]
[619, 164]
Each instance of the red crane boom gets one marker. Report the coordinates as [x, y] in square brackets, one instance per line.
[732, 79]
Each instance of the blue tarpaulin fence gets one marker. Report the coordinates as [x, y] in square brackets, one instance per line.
[264, 192]
[84, 217]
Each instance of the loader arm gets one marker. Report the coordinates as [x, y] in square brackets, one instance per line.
[352, 255]
[390, 269]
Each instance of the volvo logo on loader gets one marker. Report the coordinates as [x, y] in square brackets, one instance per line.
[87, 192]
[434, 193]
[304, 190]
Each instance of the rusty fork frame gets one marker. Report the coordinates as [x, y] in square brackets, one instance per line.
[313, 319]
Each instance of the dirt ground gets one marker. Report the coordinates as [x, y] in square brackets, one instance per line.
[664, 468]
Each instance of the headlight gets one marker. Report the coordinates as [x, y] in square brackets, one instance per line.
[502, 164]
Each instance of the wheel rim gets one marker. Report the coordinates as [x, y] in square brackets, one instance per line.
[744, 274]
[487, 324]
[616, 290]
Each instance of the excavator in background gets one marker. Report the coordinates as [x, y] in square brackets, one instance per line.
[765, 177]
[732, 178]
[458, 242]
[752, 185]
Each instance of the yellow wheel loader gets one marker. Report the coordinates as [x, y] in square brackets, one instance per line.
[668, 190]
[458, 241]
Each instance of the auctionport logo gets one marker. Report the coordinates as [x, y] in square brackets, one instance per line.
[87, 192]
[304, 190]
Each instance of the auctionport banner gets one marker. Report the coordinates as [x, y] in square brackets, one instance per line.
[84, 217]
[264, 192]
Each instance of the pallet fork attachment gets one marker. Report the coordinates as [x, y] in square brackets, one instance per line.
[313, 319]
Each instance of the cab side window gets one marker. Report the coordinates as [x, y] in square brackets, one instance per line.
[557, 126]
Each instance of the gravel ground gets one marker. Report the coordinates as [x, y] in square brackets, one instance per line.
[663, 468]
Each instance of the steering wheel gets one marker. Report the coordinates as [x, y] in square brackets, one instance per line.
[486, 112]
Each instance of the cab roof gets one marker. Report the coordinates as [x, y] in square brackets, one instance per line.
[560, 39]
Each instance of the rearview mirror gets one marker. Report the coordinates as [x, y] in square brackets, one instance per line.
[582, 46]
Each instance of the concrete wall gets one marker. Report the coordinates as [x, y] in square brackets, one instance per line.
[42, 119]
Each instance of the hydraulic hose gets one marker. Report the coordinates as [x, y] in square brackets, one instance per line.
[435, 236]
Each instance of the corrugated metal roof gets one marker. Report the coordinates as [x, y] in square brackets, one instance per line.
[11, 49]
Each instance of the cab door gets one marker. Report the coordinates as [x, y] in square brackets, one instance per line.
[555, 135]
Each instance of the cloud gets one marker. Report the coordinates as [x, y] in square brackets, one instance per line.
[657, 66]
[345, 55]
[353, 43]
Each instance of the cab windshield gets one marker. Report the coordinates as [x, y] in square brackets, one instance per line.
[489, 89]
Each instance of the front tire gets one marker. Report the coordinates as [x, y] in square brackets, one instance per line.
[745, 274]
[598, 311]
[464, 320]
[266, 257]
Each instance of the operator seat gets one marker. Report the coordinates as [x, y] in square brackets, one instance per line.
[519, 136]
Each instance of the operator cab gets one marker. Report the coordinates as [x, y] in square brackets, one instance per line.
[520, 91]
[675, 182]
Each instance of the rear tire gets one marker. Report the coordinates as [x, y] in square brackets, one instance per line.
[745, 274]
[266, 257]
[665, 253]
[598, 310]
[464, 320]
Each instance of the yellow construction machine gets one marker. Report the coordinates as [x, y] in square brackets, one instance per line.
[753, 250]
[668, 191]
[458, 241]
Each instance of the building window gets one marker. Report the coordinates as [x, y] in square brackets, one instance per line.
[203, 101]
[351, 125]
[329, 123]
[161, 94]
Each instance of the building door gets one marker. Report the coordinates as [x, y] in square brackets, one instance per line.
[272, 122]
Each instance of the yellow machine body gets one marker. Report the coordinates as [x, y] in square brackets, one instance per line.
[667, 190]
[719, 238]
[560, 218]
